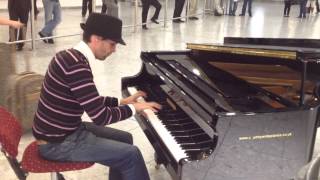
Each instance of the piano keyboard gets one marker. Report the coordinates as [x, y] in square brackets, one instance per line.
[175, 149]
[181, 135]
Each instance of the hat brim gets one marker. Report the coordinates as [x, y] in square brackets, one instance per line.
[120, 41]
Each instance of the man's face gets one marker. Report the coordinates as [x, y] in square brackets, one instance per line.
[102, 48]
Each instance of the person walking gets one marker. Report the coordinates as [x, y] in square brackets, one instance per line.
[178, 7]
[52, 13]
[145, 9]
[193, 9]
[287, 6]
[244, 8]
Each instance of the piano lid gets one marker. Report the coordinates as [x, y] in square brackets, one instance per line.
[284, 52]
[287, 42]
[226, 69]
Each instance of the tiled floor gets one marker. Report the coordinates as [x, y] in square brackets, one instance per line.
[126, 62]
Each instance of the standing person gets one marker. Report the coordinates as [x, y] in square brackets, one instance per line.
[52, 13]
[244, 8]
[287, 6]
[110, 7]
[19, 11]
[178, 7]
[86, 5]
[233, 4]
[303, 9]
[69, 90]
[11, 23]
[145, 8]
[317, 6]
[193, 9]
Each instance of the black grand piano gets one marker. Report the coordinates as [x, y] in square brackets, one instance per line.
[247, 109]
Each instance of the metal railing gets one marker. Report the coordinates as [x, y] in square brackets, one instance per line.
[165, 20]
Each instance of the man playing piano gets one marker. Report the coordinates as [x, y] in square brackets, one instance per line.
[68, 90]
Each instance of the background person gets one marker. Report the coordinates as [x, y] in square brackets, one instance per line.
[19, 11]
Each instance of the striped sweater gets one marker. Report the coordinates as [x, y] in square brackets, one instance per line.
[67, 91]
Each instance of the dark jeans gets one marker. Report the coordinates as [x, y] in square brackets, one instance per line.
[244, 7]
[178, 7]
[232, 7]
[287, 6]
[103, 145]
[317, 6]
[145, 8]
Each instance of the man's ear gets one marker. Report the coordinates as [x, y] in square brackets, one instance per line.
[93, 38]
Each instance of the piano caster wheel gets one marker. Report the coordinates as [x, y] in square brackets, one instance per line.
[157, 166]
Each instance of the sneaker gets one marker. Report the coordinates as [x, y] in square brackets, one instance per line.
[144, 27]
[42, 36]
[50, 41]
[19, 46]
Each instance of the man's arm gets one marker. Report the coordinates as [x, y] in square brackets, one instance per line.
[14, 24]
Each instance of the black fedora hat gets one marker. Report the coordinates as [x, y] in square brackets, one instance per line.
[105, 26]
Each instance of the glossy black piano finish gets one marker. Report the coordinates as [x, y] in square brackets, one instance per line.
[252, 123]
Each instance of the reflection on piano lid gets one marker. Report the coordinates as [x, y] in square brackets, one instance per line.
[215, 96]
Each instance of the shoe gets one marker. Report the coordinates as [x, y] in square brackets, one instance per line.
[50, 41]
[144, 27]
[250, 15]
[178, 21]
[154, 21]
[241, 14]
[193, 18]
[42, 36]
[19, 46]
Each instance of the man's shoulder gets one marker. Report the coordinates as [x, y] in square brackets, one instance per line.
[71, 55]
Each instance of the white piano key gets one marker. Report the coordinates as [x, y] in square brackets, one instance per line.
[177, 152]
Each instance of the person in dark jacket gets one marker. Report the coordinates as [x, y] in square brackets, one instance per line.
[19, 11]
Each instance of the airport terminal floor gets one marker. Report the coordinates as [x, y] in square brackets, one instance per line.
[267, 21]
